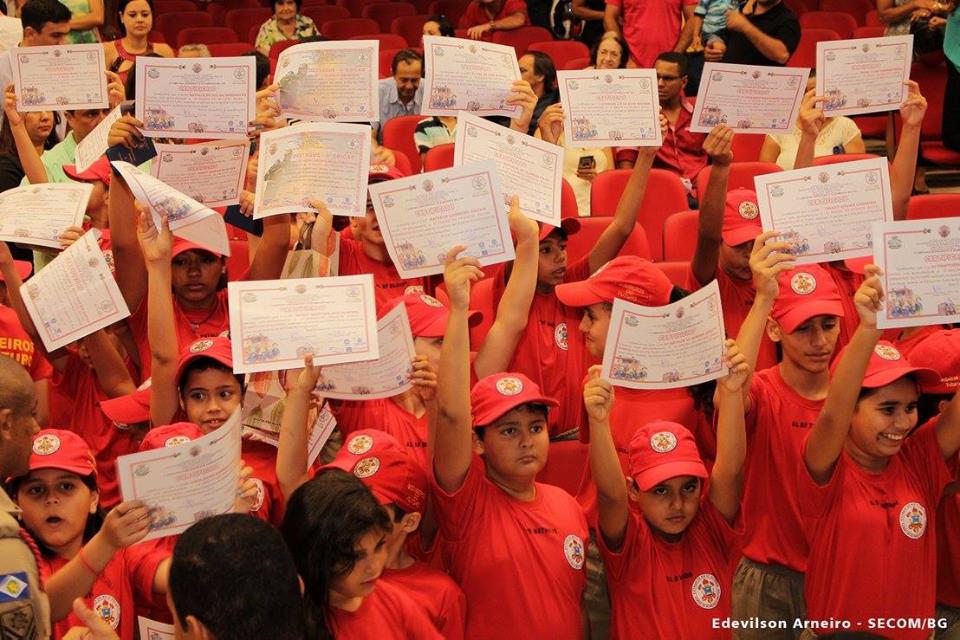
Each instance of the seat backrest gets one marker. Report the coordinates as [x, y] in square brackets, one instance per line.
[481, 299]
[582, 242]
[934, 205]
[410, 28]
[239, 260]
[386, 40]
[229, 49]
[857, 9]
[933, 86]
[741, 174]
[869, 32]
[453, 9]
[806, 52]
[576, 64]
[385, 12]
[218, 12]
[345, 27]
[439, 157]
[242, 20]
[171, 24]
[676, 271]
[521, 38]
[561, 51]
[798, 7]
[680, 236]
[568, 200]
[279, 47]
[398, 135]
[206, 35]
[323, 14]
[161, 7]
[872, 19]
[747, 146]
[842, 23]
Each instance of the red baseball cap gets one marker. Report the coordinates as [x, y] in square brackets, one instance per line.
[392, 474]
[24, 269]
[180, 246]
[99, 170]
[805, 292]
[569, 225]
[382, 172]
[427, 315]
[629, 278]
[217, 348]
[887, 365]
[741, 217]
[662, 450]
[65, 450]
[939, 351]
[499, 393]
[132, 408]
[170, 435]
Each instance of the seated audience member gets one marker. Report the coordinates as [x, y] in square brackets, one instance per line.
[400, 94]
[438, 26]
[537, 68]
[136, 22]
[197, 50]
[767, 35]
[609, 52]
[483, 17]
[286, 24]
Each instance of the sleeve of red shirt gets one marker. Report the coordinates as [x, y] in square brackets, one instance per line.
[756, 396]
[692, 284]
[453, 610]
[922, 451]
[579, 270]
[40, 368]
[516, 6]
[143, 560]
[616, 562]
[473, 16]
[726, 535]
[455, 511]
[815, 500]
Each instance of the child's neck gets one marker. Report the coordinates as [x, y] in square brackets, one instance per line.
[811, 386]
[411, 402]
[69, 550]
[523, 489]
[376, 252]
[398, 558]
[340, 601]
[864, 460]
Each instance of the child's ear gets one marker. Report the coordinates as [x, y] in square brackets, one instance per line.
[774, 330]
[94, 501]
[477, 444]
[633, 491]
[410, 522]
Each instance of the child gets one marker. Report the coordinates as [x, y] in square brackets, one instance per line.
[668, 555]
[516, 546]
[867, 491]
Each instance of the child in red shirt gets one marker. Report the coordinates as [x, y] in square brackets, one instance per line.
[867, 492]
[668, 556]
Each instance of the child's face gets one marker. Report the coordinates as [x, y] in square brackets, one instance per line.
[736, 260]
[553, 260]
[515, 446]
[210, 397]
[670, 506]
[195, 275]
[594, 325]
[882, 420]
[370, 228]
[430, 348]
[360, 582]
[55, 506]
[810, 346]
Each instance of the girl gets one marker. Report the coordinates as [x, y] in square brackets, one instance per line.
[136, 22]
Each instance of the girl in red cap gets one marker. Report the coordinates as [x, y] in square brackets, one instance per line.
[868, 493]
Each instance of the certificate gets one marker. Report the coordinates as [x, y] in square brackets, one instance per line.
[529, 168]
[865, 75]
[313, 161]
[212, 173]
[615, 107]
[94, 144]
[196, 97]
[188, 218]
[467, 75]
[59, 78]
[262, 415]
[153, 630]
[424, 216]
[920, 260]
[11, 32]
[679, 345]
[749, 99]
[185, 483]
[275, 323]
[331, 81]
[74, 295]
[384, 377]
[826, 212]
[36, 214]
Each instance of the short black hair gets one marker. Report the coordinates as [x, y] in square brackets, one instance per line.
[444, 24]
[263, 67]
[37, 13]
[202, 364]
[543, 66]
[217, 560]
[406, 55]
[533, 407]
[679, 59]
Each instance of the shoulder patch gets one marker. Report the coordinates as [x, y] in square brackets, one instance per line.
[14, 586]
[19, 622]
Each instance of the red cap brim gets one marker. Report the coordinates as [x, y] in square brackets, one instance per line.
[885, 376]
[578, 294]
[799, 314]
[652, 477]
[569, 225]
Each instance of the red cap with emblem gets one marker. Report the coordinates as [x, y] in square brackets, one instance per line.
[805, 292]
[381, 172]
[629, 278]
[427, 315]
[500, 393]
[65, 450]
[939, 351]
[888, 365]
[662, 450]
[216, 348]
[132, 408]
[568, 225]
[741, 217]
[180, 246]
[170, 435]
[392, 474]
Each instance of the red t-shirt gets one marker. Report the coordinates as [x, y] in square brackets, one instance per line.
[262, 458]
[387, 416]
[17, 344]
[145, 558]
[872, 547]
[386, 614]
[436, 593]
[847, 283]
[387, 283]
[520, 564]
[777, 424]
[948, 542]
[651, 27]
[476, 15]
[671, 591]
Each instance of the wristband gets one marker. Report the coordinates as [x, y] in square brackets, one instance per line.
[85, 563]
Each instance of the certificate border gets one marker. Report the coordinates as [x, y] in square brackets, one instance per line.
[563, 80]
[83, 190]
[190, 149]
[429, 51]
[373, 113]
[69, 50]
[697, 114]
[838, 45]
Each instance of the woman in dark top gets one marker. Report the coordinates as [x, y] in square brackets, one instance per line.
[40, 126]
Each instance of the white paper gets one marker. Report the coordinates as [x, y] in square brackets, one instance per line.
[183, 484]
[188, 218]
[422, 217]
[387, 376]
[275, 323]
[749, 99]
[610, 107]
[313, 161]
[826, 212]
[153, 630]
[196, 97]
[212, 173]
[679, 345]
[74, 295]
[69, 76]
[263, 423]
[36, 214]
[330, 81]
[920, 260]
[467, 75]
[863, 76]
[94, 144]
[528, 167]
[11, 32]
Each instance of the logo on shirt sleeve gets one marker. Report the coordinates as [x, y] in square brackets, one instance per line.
[706, 591]
[560, 335]
[107, 607]
[913, 520]
[14, 586]
[574, 551]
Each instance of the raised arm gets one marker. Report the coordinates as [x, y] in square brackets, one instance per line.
[726, 477]
[810, 122]
[33, 167]
[320, 234]
[523, 96]
[611, 18]
[272, 249]
[826, 440]
[612, 506]
[768, 46]
[904, 165]
[292, 455]
[719, 146]
[90, 20]
[453, 449]
[112, 374]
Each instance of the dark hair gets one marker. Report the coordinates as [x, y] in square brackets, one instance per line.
[543, 66]
[217, 560]
[866, 393]
[324, 520]
[37, 13]
[406, 55]
[444, 24]
[273, 4]
[533, 407]
[9, 147]
[130, 87]
[123, 7]
[94, 520]
[204, 363]
[928, 406]
[263, 67]
[679, 59]
[624, 49]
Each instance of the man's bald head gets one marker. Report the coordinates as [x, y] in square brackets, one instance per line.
[17, 423]
[16, 387]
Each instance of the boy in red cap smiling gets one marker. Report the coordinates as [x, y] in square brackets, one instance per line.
[516, 546]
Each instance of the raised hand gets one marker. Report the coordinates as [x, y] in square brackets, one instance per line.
[127, 524]
[869, 297]
[811, 118]
[597, 395]
[10, 106]
[521, 94]
[156, 244]
[719, 144]
[914, 106]
[736, 362]
[551, 123]
[424, 378]
[521, 226]
[767, 261]
[126, 132]
[116, 92]
[458, 275]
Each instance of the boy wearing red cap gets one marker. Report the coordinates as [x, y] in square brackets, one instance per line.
[516, 546]
[869, 492]
[668, 553]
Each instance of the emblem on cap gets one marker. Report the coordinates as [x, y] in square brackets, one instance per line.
[176, 441]
[706, 591]
[46, 445]
[201, 345]
[574, 552]
[430, 301]
[663, 442]
[748, 210]
[913, 520]
[108, 609]
[366, 467]
[509, 386]
[359, 445]
[414, 288]
[887, 352]
[803, 283]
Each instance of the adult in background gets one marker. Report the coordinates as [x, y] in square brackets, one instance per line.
[401, 94]
[286, 24]
[538, 69]
[136, 23]
[483, 17]
[650, 26]
[766, 34]
[951, 97]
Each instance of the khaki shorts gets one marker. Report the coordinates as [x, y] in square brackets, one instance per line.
[952, 616]
[595, 595]
[767, 592]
